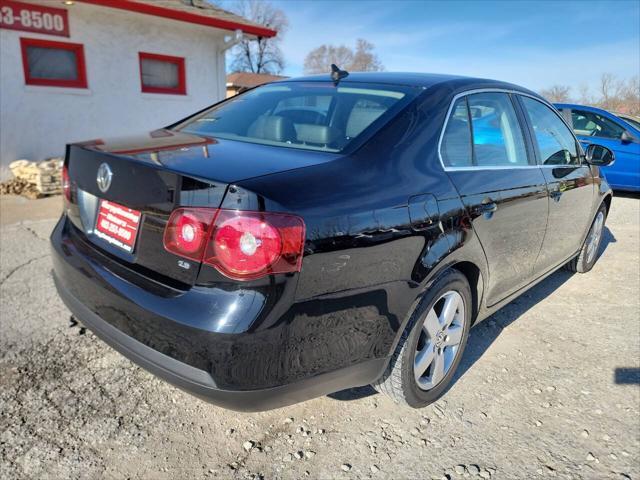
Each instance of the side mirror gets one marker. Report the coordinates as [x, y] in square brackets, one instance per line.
[626, 137]
[599, 155]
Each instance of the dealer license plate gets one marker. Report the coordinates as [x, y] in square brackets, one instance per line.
[117, 225]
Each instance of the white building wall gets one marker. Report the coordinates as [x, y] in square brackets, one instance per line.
[36, 122]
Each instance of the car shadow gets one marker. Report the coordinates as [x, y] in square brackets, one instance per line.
[627, 376]
[625, 194]
[485, 333]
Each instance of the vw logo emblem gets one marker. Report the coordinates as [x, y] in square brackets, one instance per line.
[104, 177]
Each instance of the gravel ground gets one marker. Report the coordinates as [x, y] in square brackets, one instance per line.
[549, 387]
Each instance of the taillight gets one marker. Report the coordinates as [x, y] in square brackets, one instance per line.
[66, 184]
[248, 245]
[241, 245]
[187, 232]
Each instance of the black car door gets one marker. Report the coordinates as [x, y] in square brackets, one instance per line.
[570, 183]
[486, 154]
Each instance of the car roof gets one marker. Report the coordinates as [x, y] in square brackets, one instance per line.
[424, 80]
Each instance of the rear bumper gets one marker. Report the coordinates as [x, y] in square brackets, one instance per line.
[246, 371]
[201, 384]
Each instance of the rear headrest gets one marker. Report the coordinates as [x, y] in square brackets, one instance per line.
[272, 127]
[580, 123]
[319, 134]
[361, 118]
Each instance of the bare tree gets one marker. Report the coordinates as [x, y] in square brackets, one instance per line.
[631, 95]
[362, 59]
[585, 97]
[556, 93]
[320, 59]
[612, 94]
[611, 91]
[260, 55]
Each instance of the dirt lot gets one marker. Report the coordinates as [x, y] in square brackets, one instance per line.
[548, 388]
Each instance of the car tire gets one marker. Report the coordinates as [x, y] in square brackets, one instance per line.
[586, 258]
[399, 381]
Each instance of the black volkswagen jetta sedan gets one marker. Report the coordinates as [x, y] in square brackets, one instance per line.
[322, 233]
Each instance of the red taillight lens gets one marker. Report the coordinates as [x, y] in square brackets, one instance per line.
[240, 245]
[244, 245]
[66, 184]
[187, 232]
[247, 245]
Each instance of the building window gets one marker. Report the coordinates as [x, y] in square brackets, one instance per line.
[162, 74]
[53, 64]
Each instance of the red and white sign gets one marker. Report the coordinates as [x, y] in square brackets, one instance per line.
[117, 225]
[31, 17]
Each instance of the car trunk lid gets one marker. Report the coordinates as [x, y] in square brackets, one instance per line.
[150, 176]
[139, 189]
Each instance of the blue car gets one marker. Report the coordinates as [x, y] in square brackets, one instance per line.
[594, 125]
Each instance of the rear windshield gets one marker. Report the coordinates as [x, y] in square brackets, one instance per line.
[312, 115]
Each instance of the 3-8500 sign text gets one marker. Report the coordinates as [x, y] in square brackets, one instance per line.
[31, 17]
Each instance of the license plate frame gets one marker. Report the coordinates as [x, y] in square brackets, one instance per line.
[117, 225]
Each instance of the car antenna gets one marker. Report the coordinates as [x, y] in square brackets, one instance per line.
[337, 74]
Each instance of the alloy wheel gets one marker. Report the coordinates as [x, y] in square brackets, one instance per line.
[439, 341]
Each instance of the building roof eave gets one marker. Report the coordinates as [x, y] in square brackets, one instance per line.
[180, 15]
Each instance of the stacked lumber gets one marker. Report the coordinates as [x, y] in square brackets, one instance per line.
[19, 186]
[46, 176]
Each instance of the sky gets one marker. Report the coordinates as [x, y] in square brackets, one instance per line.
[533, 44]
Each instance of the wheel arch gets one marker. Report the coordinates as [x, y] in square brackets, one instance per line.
[607, 201]
[475, 275]
[476, 283]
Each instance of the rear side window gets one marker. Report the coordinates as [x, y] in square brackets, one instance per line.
[483, 131]
[590, 124]
[456, 148]
[313, 116]
[556, 144]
